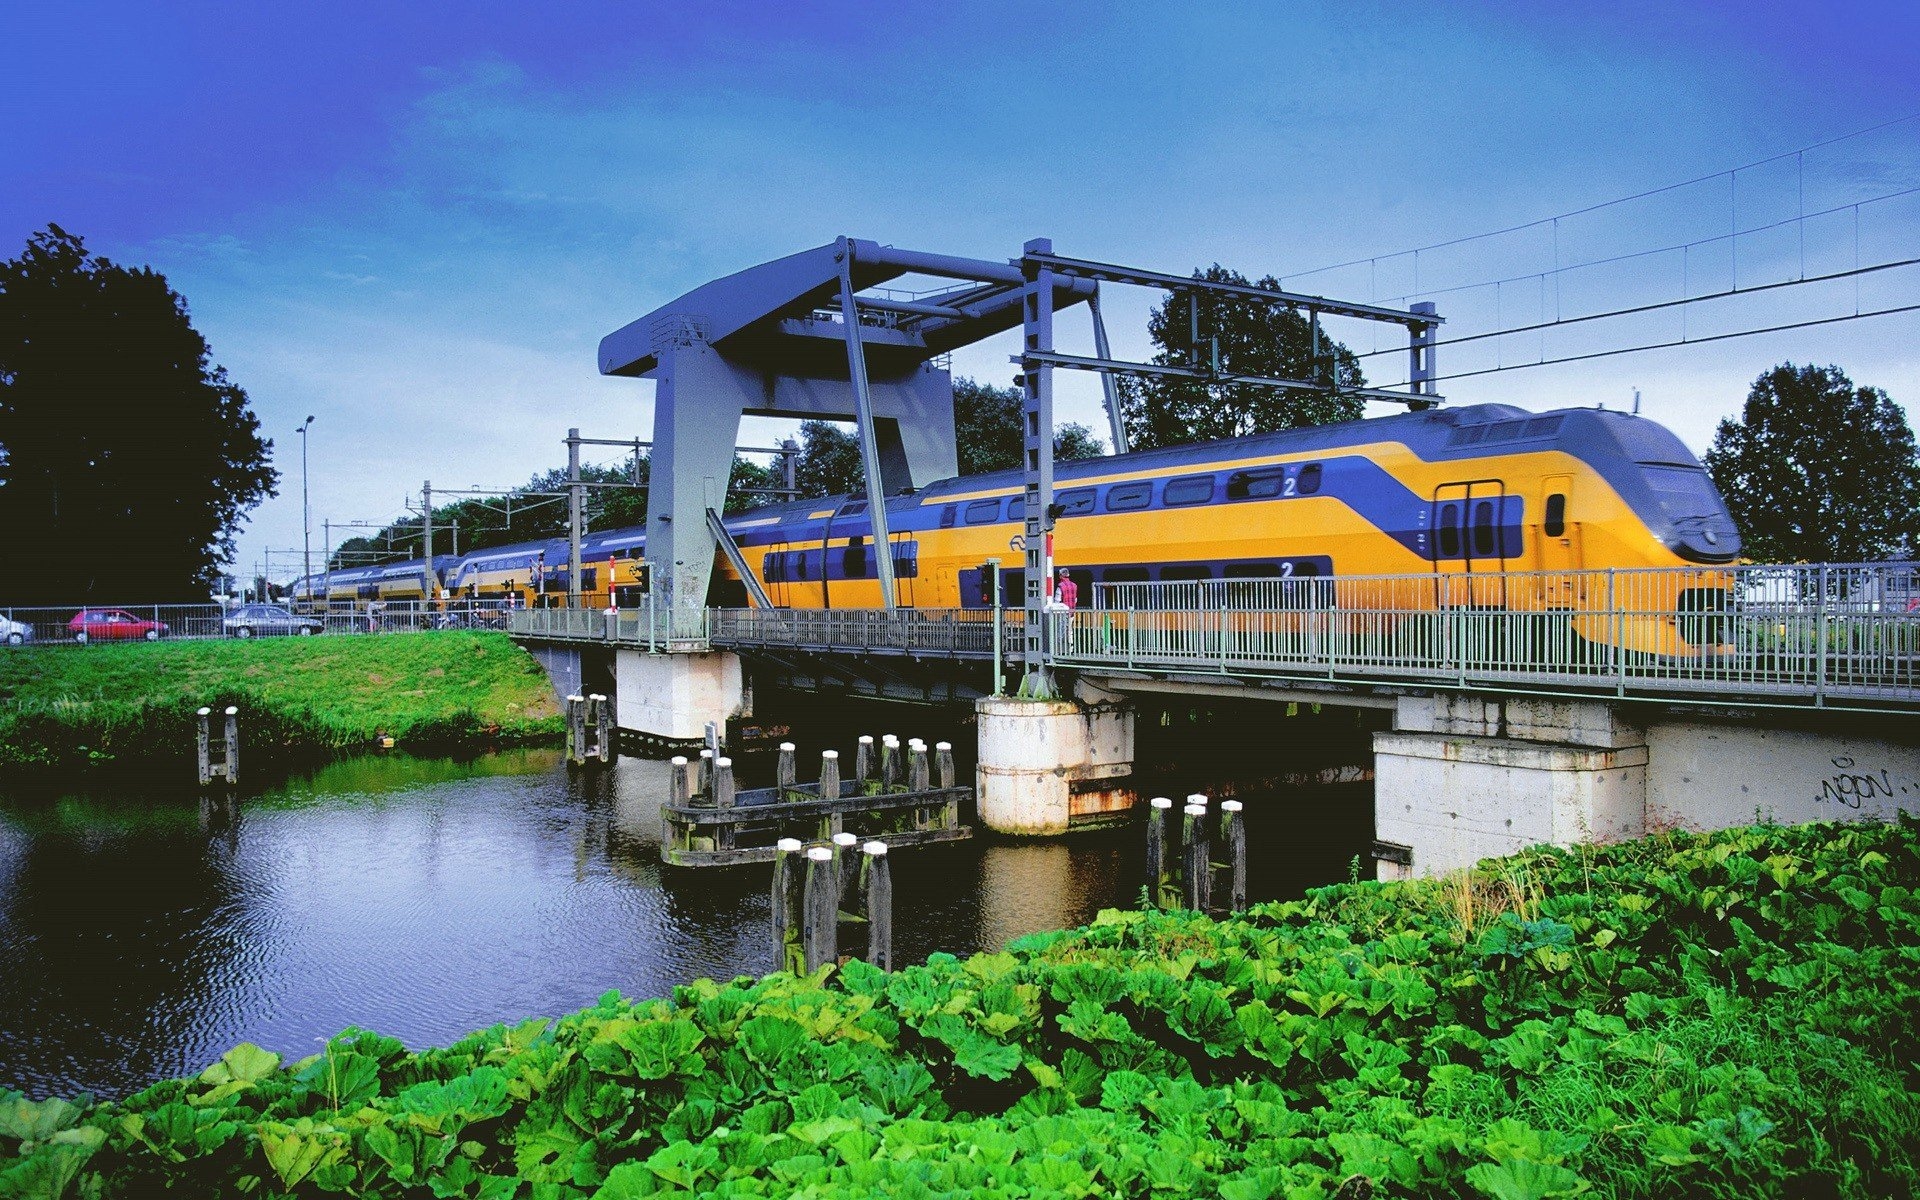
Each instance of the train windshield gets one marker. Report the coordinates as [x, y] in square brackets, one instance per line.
[1684, 492]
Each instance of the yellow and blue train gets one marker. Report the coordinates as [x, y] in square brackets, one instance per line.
[1463, 496]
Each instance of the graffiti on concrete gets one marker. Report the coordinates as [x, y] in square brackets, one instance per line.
[1854, 787]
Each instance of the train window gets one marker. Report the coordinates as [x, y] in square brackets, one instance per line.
[1544, 426]
[1505, 431]
[1253, 485]
[852, 507]
[1074, 503]
[983, 512]
[1194, 489]
[947, 516]
[1556, 522]
[1125, 575]
[1123, 496]
[1310, 479]
[853, 560]
[1449, 538]
[1183, 572]
[1483, 533]
[800, 564]
[1016, 508]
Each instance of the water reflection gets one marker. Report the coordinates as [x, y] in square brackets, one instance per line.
[142, 934]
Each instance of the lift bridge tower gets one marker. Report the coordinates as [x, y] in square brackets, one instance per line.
[820, 334]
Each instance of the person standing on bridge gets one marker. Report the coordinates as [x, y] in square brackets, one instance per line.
[1068, 592]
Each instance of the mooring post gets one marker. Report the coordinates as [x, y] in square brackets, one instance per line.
[879, 905]
[576, 729]
[233, 747]
[784, 774]
[723, 789]
[206, 764]
[919, 774]
[1192, 836]
[943, 758]
[602, 727]
[830, 790]
[863, 762]
[679, 785]
[848, 863]
[787, 954]
[889, 762]
[1233, 829]
[703, 779]
[821, 931]
[1157, 809]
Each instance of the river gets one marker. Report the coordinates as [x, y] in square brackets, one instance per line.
[144, 931]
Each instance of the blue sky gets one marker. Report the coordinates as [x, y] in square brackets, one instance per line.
[416, 221]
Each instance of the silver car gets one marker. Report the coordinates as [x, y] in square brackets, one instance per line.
[267, 620]
[15, 633]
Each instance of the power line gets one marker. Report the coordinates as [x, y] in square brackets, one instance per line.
[1577, 212]
[1685, 341]
[1662, 304]
[1800, 220]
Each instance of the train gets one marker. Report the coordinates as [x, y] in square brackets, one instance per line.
[1467, 495]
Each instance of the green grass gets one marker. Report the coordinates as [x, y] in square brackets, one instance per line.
[1726, 1016]
[63, 706]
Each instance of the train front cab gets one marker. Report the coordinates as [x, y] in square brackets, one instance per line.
[1521, 549]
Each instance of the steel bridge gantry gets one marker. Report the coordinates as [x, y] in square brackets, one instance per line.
[816, 334]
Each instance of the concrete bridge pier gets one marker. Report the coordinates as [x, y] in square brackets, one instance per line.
[1049, 766]
[665, 700]
[1462, 777]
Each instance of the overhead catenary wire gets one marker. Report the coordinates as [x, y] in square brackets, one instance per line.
[1683, 341]
[1541, 222]
[1705, 297]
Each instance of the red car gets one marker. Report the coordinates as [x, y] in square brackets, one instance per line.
[113, 624]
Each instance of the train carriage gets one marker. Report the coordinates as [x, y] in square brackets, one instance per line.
[1484, 507]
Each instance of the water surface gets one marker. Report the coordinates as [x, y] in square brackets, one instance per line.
[143, 932]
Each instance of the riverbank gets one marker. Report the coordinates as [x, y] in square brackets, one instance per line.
[299, 697]
[1727, 1015]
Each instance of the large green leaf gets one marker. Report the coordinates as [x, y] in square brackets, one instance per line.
[1523, 1179]
[244, 1063]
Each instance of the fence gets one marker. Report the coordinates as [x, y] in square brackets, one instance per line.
[94, 625]
[1828, 632]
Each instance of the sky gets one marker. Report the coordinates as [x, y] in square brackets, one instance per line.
[415, 221]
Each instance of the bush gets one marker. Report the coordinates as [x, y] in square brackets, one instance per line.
[1729, 1015]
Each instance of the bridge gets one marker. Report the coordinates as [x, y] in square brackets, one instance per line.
[1508, 727]
[1520, 708]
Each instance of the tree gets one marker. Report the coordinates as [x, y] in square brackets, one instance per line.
[128, 459]
[1255, 339]
[1817, 470]
[986, 420]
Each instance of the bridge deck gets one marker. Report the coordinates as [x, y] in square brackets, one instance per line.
[1800, 637]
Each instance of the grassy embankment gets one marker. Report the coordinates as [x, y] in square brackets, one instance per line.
[62, 706]
[1732, 1016]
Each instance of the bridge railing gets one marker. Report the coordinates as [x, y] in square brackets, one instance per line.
[1800, 632]
[955, 632]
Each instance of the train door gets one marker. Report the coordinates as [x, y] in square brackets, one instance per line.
[1559, 542]
[906, 567]
[1470, 558]
[773, 568]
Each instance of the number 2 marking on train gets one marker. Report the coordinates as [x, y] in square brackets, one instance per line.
[1287, 487]
[1286, 570]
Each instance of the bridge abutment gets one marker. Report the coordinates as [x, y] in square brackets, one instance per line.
[1047, 766]
[1462, 777]
[665, 701]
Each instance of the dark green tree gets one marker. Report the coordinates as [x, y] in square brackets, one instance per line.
[128, 459]
[1254, 339]
[986, 419]
[1818, 470]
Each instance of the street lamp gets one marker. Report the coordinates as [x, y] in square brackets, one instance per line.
[306, 522]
